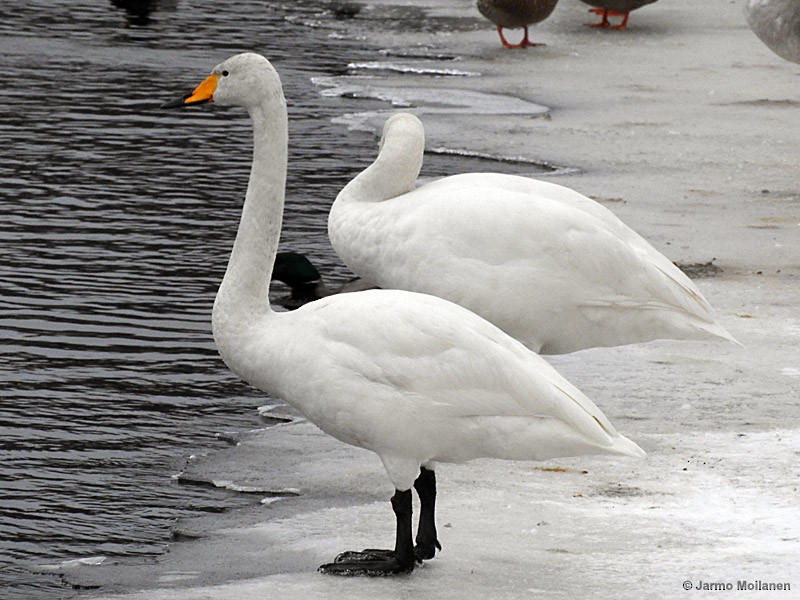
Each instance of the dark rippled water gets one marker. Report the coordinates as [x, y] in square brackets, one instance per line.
[116, 220]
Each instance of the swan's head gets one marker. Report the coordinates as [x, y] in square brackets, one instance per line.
[404, 129]
[401, 150]
[246, 80]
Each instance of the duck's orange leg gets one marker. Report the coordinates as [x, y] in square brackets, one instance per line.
[523, 44]
[624, 23]
[603, 22]
[526, 42]
[605, 13]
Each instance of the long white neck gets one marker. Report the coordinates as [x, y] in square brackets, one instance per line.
[243, 295]
[394, 171]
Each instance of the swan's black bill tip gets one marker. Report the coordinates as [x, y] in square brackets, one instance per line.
[174, 103]
[183, 102]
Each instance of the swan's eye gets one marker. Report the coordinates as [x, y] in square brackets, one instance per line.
[224, 73]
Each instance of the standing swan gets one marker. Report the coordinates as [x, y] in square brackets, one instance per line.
[547, 265]
[411, 377]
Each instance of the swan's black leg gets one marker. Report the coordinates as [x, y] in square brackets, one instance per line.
[427, 541]
[376, 563]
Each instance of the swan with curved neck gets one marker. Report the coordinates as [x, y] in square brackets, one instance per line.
[549, 266]
[413, 378]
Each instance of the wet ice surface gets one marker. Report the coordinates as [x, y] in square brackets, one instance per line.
[716, 499]
[697, 510]
[422, 101]
[683, 125]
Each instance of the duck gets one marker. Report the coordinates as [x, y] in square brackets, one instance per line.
[614, 8]
[305, 282]
[515, 14]
[777, 24]
[547, 265]
[415, 379]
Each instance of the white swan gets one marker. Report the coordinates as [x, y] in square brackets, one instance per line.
[411, 377]
[549, 266]
[777, 24]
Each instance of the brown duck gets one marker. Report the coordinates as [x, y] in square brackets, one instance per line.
[513, 14]
[614, 8]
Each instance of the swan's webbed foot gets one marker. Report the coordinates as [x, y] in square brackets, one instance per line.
[375, 562]
[421, 551]
[370, 563]
[381, 563]
[367, 554]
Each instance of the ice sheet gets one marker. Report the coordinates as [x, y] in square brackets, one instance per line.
[705, 506]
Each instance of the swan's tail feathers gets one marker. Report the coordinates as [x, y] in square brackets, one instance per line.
[715, 330]
[695, 305]
[625, 447]
[619, 444]
[708, 330]
[630, 322]
[535, 438]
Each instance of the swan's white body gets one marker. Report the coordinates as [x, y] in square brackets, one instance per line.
[549, 266]
[413, 378]
[777, 24]
[430, 382]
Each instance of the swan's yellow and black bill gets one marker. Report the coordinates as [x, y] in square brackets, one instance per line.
[202, 93]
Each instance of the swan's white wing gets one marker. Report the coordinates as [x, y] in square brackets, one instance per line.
[579, 258]
[569, 197]
[424, 356]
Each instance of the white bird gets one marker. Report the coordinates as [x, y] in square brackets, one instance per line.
[549, 266]
[777, 24]
[414, 378]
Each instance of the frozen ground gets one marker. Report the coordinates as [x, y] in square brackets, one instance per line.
[689, 129]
